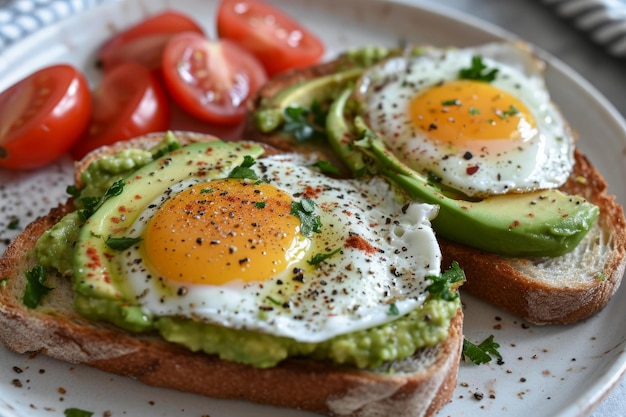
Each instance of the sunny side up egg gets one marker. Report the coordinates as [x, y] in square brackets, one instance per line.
[292, 253]
[480, 119]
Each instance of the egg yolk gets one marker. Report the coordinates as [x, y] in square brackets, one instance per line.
[224, 230]
[461, 111]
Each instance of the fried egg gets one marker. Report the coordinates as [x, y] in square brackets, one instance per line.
[479, 136]
[294, 253]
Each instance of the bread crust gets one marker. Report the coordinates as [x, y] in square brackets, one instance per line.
[521, 286]
[419, 386]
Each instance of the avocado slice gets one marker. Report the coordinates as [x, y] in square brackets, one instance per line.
[270, 114]
[536, 224]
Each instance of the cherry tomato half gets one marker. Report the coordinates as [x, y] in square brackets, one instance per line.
[42, 116]
[129, 102]
[277, 40]
[144, 42]
[211, 80]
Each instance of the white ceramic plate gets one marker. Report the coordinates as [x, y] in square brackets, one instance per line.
[547, 371]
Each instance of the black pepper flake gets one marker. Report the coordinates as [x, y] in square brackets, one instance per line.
[199, 241]
[243, 261]
[182, 291]
[467, 156]
[432, 126]
[479, 395]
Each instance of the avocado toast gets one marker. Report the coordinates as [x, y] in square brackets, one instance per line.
[418, 384]
[544, 261]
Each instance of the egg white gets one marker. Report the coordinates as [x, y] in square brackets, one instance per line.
[351, 290]
[543, 160]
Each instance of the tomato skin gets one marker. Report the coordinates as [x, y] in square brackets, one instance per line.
[129, 102]
[42, 116]
[276, 39]
[211, 80]
[144, 42]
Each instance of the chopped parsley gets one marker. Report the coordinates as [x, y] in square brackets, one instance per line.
[14, 224]
[73, 190]
[393, 309]
[474, 111]
[481, 353]
[121, 243]
[206, 190]
[91, 204]
[444, 286]
[512, 111]
[321, 257]
[77, 412]
[327, 167]
[260, 204]
[304, 210]
[243, 171]
[305, 124]
[478, 71]
[453, 102]
[35, 289]
[273, 301]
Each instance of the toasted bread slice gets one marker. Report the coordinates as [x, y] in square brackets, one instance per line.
[558, 290]
[417, 386]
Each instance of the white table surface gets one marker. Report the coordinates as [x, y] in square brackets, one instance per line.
[532, 20]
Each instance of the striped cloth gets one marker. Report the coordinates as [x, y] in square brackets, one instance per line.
[603, 20]
[19, 18]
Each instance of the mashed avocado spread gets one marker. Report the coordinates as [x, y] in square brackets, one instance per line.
[425, 326]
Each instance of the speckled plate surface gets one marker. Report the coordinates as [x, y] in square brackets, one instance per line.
[551, 371]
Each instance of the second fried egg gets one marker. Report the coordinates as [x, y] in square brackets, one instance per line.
[479, 119]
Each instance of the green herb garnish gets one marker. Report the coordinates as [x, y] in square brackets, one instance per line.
[14, 224]
[453, 102]
[77, 412]
[478, 71]
[482, 353]
[512, 111]
[304, 210]
[206, 190]
[305, 124]
[169, 147]
[327, 167]
[4, 282]
[393, 309]
[91, 204]
[444, 286]
[260, 204]
[35, 289]
[243, 171]
[321, 257]
[121, 243]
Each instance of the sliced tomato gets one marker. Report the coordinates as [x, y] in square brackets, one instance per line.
[144, 42]
[42, 116]
[129, 102]
[211, 80]
[276, 39]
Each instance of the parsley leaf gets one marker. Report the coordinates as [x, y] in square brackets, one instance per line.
[321, 257]
[478, 71]
[327, 167]
[482, 353]
[393, 309]
[91, 204]
[164, 150]
[243, 171]
[304, 210]
[512, 111]
[14, 224]
[260, 204]
[121, 243]
[305, 124]
[35, 289]
[445, 284]
[77, 412]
